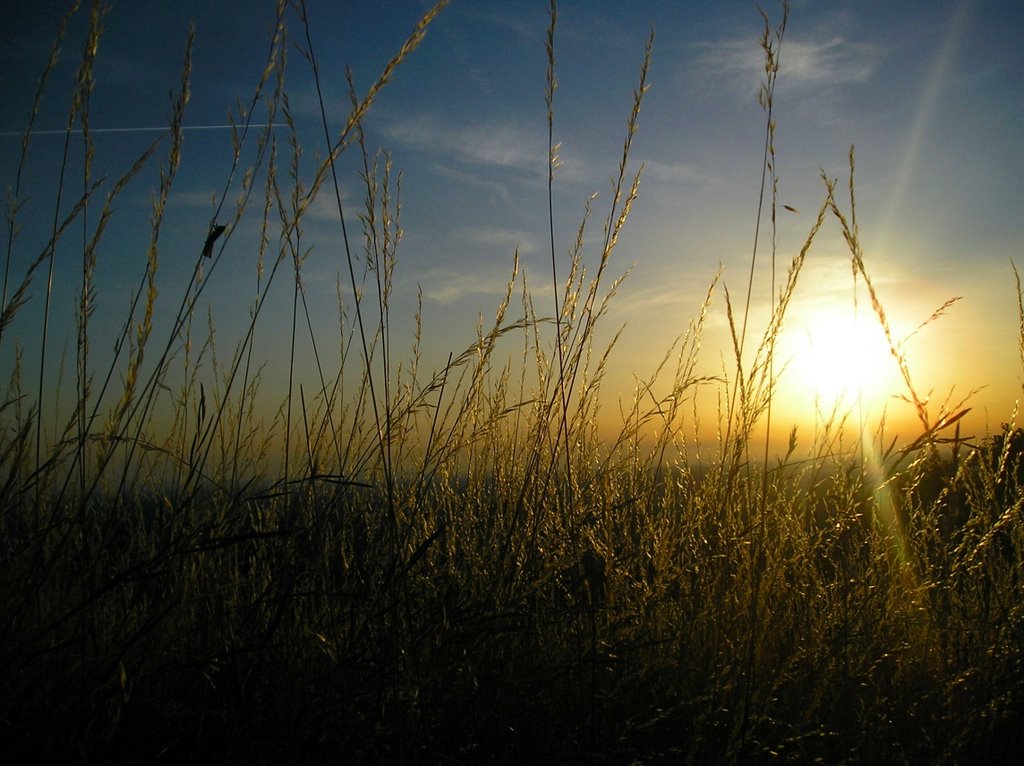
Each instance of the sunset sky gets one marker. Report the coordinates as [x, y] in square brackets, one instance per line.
[929, 93]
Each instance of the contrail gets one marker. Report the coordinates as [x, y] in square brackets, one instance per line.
[19, 133]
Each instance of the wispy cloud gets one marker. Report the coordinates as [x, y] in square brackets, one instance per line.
[651, 299]
[835, 62]
[446, 286]
[495, 189]
[517, 150]
[201, 199]
[528, 28]
[496, 144]
[325, 206]
[674, 173]
[738, 63]
[508, 239]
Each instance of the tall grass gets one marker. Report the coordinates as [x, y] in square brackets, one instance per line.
[450, 564]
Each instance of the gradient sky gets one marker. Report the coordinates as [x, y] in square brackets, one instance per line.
[929, 92]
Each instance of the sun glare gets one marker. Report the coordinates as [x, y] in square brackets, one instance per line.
[840, 358]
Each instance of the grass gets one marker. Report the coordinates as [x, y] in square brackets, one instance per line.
[452, 566]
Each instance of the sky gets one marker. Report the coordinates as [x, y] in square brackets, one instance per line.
[928, 93]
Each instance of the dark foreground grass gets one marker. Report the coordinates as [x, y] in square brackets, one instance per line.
[294, 629]
[453, 567]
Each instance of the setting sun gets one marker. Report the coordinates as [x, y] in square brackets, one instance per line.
[838, 358]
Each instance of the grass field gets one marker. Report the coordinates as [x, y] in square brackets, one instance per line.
[453, 565]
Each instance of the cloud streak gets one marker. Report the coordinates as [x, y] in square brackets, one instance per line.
[806, 64]
[498, 144]
[504, 149]
[508, 239]
[445, 286]
[674, 173]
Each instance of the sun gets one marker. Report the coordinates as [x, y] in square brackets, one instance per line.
[840, 357]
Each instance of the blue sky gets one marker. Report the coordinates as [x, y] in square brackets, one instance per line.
[928, 92]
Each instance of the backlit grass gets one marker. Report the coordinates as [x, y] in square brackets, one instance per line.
[407, 563]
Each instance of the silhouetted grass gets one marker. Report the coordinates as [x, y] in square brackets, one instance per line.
[451, 565]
